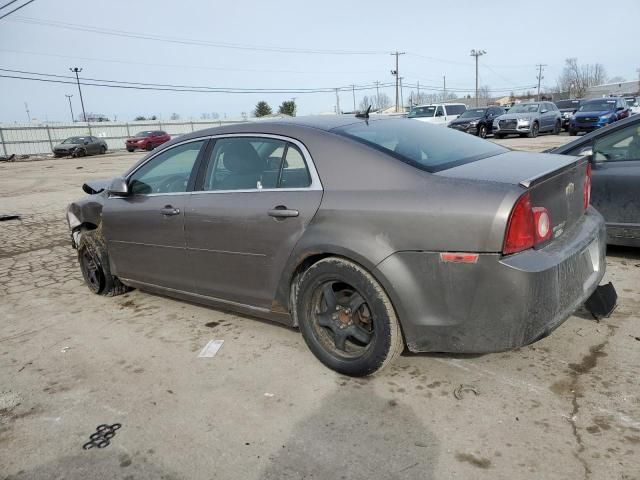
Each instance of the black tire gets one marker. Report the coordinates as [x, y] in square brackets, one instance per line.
[94, 265]
[482, 131]
[557, 128]
[103, 150]
[80, 152]
[535, 129]
[499, 135]
[573, 133]
[149, 147]
[130, 149]
[358, 333]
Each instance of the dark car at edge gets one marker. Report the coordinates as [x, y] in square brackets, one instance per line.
[477, 121]
[598, 113]
[567, 109]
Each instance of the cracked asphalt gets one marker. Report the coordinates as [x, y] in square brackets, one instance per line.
[567, 407]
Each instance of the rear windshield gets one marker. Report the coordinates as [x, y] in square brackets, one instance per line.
[427, 147]
[429, 111]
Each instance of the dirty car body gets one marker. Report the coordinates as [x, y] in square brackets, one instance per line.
[443, 222]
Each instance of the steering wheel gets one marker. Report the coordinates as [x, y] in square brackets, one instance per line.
[173, 183]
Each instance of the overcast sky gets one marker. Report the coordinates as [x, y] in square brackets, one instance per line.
[437, 37]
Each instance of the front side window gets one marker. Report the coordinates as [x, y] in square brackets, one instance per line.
[455, 109]
[167, 172]
[424, 146]
[439, 112]
[623, 145]
[250, 163]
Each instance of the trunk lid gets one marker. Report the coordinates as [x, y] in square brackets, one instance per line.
[554, 182]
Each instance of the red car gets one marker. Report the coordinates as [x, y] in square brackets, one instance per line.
[147, 140]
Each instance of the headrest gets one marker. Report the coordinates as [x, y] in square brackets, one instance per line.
[240, 157]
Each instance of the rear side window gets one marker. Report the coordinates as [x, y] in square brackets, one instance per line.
[455, 109]
[427, 147]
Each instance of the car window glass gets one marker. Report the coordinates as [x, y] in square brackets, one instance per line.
[439, 112]
[244, 163]
[618, 146]
[294, 170]
[168, 172]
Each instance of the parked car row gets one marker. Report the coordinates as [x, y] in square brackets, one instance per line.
[89, 145]
[147, 140]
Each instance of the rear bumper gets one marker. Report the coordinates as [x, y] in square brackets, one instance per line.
[498, 303]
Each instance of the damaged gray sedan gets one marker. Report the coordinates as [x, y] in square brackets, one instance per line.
[368, 235]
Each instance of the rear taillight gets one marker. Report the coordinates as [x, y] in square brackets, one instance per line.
[527, 226]
[586, 188]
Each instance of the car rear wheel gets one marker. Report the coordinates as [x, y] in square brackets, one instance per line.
[94, 265]
[482, 131]
[534, 130]
[573, 133]
[149, 147]
[557, 127]
[346, 318]
[130, 149]
[103, 150]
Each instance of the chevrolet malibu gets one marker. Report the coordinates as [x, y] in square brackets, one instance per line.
[368, 235]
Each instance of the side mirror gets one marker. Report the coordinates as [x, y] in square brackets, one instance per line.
[86, 142]
[119, 187]
[619, 109]
[544, 110]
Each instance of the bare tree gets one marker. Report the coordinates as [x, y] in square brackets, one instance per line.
[377, 102]
[576, 78]
[484, 94]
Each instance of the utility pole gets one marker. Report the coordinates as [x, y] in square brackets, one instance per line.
[70, 107]
[26, 107]
[396, 74]
[444, 88]
[418, 96]
[540, 77]
[353, 89]
[401, 97]
[477, 53]
[337, 103]
[77, 70]
[377, 94]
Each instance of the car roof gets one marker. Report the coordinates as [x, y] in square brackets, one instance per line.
[597, 133]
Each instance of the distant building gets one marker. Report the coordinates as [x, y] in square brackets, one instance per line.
[620, 88]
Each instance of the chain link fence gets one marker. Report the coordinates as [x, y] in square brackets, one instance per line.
[29, 139]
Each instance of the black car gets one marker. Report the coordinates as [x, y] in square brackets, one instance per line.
[478, 121]
[567, 109]
[615, 190]
[80, 146]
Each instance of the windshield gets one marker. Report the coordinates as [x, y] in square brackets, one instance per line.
[143, 134]
[474, 113]
[524, 108]
[420, 144]
[567, 104]
[422, 112]
[598, 106]
[74, 140]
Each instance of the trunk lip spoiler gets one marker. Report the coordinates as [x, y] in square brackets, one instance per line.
[528, 183]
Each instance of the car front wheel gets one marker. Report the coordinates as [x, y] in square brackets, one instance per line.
[94, 265]
[346, 318]
[557, 128]
[533, 133]
[482, 131]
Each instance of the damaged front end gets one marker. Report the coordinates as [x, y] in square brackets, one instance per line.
[86, 213]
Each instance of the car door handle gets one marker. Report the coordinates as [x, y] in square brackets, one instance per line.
[169, 210]
[282, 212]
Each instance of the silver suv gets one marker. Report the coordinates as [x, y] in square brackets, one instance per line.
[528, 119]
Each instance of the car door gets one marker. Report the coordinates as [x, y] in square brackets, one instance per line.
[615, 190]
[256, 195]
[545, 115]
[95, 145]
[145, 229]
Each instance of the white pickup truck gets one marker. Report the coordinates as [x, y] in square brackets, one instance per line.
[437, 113]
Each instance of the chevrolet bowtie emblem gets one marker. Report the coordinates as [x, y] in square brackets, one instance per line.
[569, 188]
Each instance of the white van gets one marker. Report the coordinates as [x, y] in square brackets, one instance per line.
[439, 113]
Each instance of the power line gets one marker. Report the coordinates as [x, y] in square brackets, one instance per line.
[190, 41]
[65, 79]
[15, 9]
[7, 4]
[198, 67]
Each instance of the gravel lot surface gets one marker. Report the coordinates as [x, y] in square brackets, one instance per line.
[566, 407]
